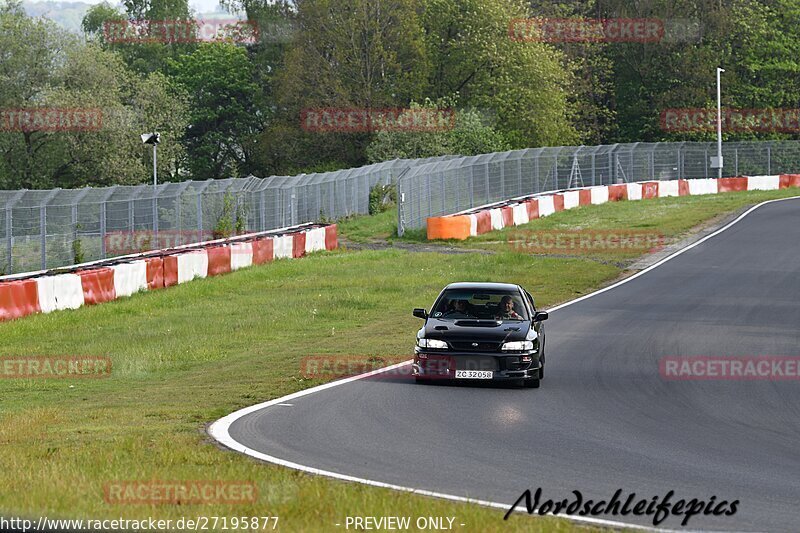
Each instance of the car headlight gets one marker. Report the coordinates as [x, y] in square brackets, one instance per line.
[517, 346]
[431, 343]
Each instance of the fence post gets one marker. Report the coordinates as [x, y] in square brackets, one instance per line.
[178, 200]
[74, 223]
[705, 163]
[9, 236]
[43, 234]
[502, 179]
[736, 160]
[103, 230]
[444, 208]
[472, 186]
[769, 160]
[593, 183]
[488, 193]
[263, 213]
[234, 213]
[155, 216]
[200, 216]
[130, 215]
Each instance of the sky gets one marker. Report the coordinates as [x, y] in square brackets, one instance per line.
[201, 6]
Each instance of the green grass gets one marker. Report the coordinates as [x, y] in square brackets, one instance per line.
[187, 355]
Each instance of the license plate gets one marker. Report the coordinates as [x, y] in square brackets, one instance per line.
[473, 374]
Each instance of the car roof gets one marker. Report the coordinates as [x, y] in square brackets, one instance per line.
[471, 285]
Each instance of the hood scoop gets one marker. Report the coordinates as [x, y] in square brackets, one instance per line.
[478, 323]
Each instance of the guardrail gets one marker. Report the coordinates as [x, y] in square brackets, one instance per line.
[101, 281]
[518, 211]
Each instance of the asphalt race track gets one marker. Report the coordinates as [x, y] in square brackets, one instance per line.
[604, 418]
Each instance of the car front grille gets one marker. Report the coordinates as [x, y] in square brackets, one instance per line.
[476, 346]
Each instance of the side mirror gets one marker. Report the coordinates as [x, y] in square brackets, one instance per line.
[540, 316]
[420, 313]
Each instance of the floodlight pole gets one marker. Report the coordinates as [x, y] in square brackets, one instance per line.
[719, 123]
[155, 171]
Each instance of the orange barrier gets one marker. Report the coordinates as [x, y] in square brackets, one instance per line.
[789, 180]
[262, 251]
[731, 184]
[617, 193]
[455, 227]
[331, 237]
[533, 208]
[558, 202]
[170, 270]
[98, 285]
[298, 244]
[18, 299]
[155, 273]
[585, 197]
[219, 260]
[649, 190]
[484, 222]
[683, 188]
[508, 216]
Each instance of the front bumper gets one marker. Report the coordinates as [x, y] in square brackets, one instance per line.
[504, 366]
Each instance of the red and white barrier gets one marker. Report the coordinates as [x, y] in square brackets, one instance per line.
[104, 281]
[60, 292]
[130, 278]
[521, 211]
[282, 247]
[242, 254]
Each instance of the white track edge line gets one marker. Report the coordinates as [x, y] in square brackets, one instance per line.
[219, 430]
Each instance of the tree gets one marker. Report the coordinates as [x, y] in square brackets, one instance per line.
[154, 48]
[345, 54]
[524, 83]
[469, 136]
[55, 71]
[223, 118]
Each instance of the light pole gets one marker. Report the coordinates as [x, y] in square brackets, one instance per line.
[717, 162]
[153, 138]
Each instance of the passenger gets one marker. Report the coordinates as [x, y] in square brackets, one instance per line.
[505, 311]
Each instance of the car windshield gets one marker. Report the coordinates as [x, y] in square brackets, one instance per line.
[458, 304]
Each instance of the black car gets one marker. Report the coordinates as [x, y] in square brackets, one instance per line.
[481, 331]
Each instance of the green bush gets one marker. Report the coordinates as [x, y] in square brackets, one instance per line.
[382, 197]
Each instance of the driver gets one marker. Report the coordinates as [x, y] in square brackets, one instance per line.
[505, 311]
